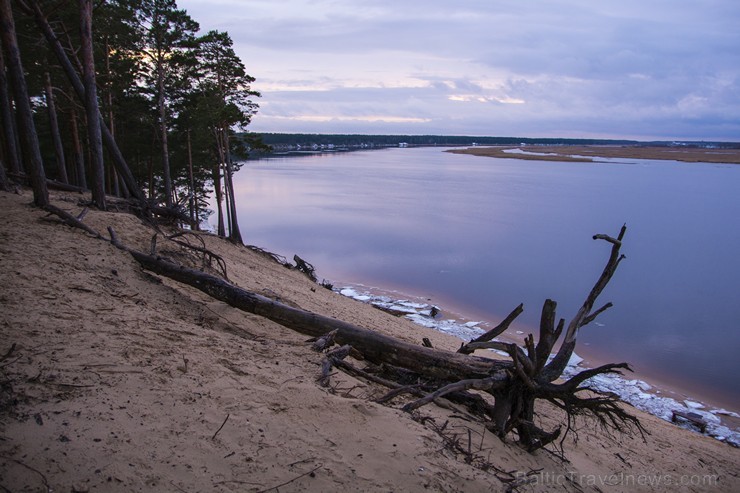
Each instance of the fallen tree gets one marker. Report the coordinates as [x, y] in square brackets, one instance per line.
[503, 393]
[515, 385]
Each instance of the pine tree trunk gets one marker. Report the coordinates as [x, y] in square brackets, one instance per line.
[77, 149]
[221, 229]
[92, 109]
[4, 185]
[222, 169]
[26, 126]
[56, 136]
[227, 208]
[234, 232]
[9, 138]
[192, 202]
[166, 175]
[116, 187]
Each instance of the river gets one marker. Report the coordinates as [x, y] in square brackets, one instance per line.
[478, 236]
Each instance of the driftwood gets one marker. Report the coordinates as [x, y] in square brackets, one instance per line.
[305, 267]
[512, 385]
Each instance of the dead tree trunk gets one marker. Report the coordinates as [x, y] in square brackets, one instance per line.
[514, 385]
[375, 347]
[533, 375]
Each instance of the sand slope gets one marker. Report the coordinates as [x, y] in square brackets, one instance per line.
[121, 381]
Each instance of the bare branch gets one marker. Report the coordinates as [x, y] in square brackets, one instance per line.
[70, 220]
[493, 333]
[557, 365]
[478, 384]
[595, 314]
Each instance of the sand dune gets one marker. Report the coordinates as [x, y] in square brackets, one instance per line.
[121, 381]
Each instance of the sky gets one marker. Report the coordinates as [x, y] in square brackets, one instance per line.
[635, 69]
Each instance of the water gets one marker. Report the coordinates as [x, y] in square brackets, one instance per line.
[482, 235]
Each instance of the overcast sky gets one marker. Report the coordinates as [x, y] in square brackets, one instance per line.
[643, 69]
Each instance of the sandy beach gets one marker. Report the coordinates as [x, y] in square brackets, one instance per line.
[593, 153]
[113, 379]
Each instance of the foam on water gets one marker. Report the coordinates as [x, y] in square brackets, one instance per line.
[638, 393]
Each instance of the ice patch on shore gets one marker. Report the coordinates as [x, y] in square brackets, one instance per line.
[420, 313]
[634, 392]
[725, 412]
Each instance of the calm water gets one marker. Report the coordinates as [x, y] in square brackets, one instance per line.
[482, 235]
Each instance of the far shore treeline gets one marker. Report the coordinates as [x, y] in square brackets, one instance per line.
[123, 98]
[296, 142]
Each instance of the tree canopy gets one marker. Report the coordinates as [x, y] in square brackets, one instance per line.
[124, 98]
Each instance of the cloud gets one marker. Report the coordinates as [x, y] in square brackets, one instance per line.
[660, 69]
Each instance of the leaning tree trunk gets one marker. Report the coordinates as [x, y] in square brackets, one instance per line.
[26, 126]
[4, 184]
[222, 146]
[97, 175]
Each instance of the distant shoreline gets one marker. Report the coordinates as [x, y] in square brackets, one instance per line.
[593, 153]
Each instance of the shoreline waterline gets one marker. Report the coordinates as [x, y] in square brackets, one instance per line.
[648, 392]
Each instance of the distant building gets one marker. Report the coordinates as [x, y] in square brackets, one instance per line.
[403, 144]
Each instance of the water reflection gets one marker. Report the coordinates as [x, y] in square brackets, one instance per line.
[488, 234]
